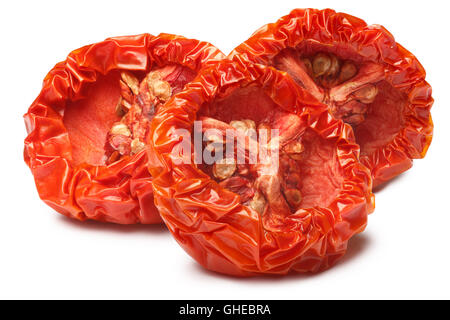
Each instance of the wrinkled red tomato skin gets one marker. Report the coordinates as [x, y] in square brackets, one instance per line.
[210, 222]
[68, 122]
[348, 37]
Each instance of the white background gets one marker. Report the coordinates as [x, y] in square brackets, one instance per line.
[403, 254]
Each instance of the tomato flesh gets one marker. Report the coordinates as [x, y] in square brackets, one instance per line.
[384, 119]
[89, 120]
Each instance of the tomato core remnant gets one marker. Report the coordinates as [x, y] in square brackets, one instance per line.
[137, 105]
[348, 90]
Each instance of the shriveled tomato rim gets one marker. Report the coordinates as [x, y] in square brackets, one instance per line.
[208, 220]
[118, 192]
[313, 31]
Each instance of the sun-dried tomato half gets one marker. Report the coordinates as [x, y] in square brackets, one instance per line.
[362, 74]
[87, 128]
[252, 217]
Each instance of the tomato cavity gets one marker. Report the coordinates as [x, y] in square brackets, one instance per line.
[308, 173]
[112, 120]
[354, 90]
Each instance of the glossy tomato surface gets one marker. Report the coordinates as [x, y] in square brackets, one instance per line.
[212, 212]
[69, 124]
[363, 75]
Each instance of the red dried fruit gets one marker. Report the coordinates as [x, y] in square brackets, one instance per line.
[80, 169]
[297, 216]
[361, 73]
